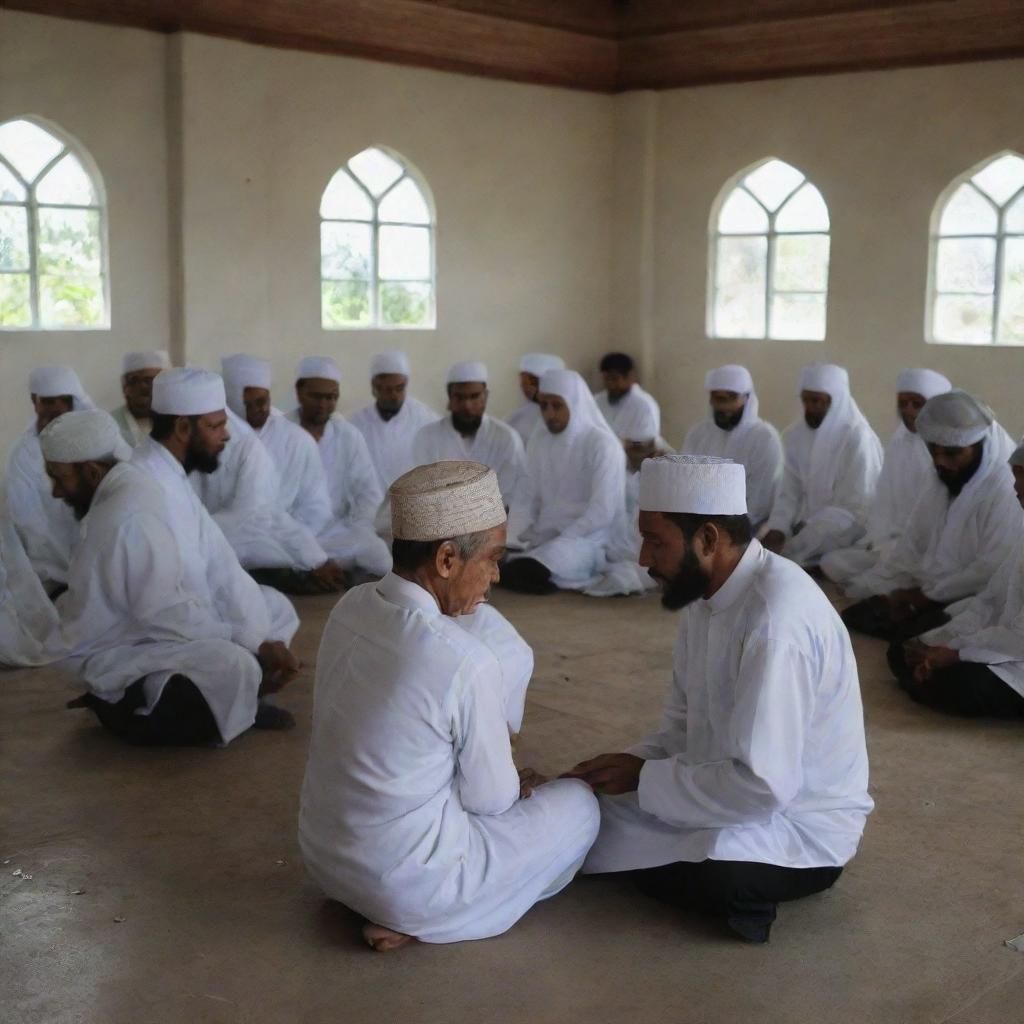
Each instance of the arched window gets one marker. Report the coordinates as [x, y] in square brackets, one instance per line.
[768, 258]
[53, 269]
[376, 245]
[976, 278]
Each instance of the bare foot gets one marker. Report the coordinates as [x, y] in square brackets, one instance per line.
[384, 940]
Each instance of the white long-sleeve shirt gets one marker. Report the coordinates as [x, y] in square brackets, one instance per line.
[631, 416]
[390, 441]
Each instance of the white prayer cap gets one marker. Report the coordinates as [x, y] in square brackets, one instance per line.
[538, 363]
[729, 378]
[954, 420]
[693, 485]
[154, 359]
[323, 367]
[246, 371]
[188, 391]
[923, 382]
[54, 381]
[466, 373]
[559, 382]
[84, 435]
[643, 424]
[827, 377]
[444, 500]
[389, 362]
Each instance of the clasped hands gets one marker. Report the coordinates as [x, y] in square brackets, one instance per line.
[926, 660]
[610, 774]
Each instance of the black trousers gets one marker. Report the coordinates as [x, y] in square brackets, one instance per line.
[871, 617]
[744, 892]
[966, 688]
[181, 717]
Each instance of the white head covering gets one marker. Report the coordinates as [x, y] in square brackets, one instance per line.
[642, 424]
[188, 391]
[444, 500]
[693, 485]
[54, 381]
[241, 372]
[154, 359]
[954, 420]
[583, 410]
[85, 435]
[468, 372]
[827, 377]
[538, 363]
[926, 383]
[323, 367]
[735, 378]
[389, 362]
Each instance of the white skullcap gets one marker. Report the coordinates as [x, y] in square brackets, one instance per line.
[693, 485]
[323, 367]
[729, 378]
[538, 363]
[643, 424]
[246, 371]
[85, 435]
[445, 500]
[954, 420]
[827, 377]
[558, 382]
[389, 362]
[927, 383]
[154, 359]
[54, 381]
[466, 373]
[188, 391]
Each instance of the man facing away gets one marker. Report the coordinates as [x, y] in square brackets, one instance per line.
[623, 400]
[832, 462]
[532, 367]
[138, 370]
[412, 811]
[160, 623]
[754, 789]
[734, 430]
[469, 433]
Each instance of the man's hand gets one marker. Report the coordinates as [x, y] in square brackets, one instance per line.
[935, 658]
[774, 541]
[329, 577]
[279, 666]
[914, 652]
[609, 773]
[529, 780]
[906, 603]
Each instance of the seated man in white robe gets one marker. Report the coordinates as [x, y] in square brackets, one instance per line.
[964, 525]
[137, 372]
[469, 433]
[906, 469]
[563, 516]
[354, 494]
[46, 527]
[734, 430]
[832, 462]
[171, 637]
[389, 425]
[412, 811]
[973, 665]
[532, 367]
[754, 790]
[623, 401]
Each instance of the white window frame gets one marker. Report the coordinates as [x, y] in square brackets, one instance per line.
[772, 236]
[934, 237]
[410, 172]
[69, 145]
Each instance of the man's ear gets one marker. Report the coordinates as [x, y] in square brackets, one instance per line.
[444, 559]
[710, 538]
[93, 472]
[183, 428]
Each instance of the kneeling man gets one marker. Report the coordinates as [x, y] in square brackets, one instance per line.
[412, 811]
[754, 789]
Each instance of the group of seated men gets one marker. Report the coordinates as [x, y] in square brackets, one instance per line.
[166, 533]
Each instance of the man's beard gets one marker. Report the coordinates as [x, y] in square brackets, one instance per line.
[689, 583]
[910, 424]
[466, 424]
[956, 482]
[728, 420]
[199, 460]
[389, 407]
[814, 420]
[258, 420]
[81, 500]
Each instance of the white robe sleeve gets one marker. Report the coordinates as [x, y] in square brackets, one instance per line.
[524, 508]
[312, 506]
[764, 475]
[773, 703]
[786, 507]
[670, 738]
[607, 472]
[510, 467]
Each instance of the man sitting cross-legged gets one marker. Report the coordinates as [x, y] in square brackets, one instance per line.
[754, 789]
[160, 622]
[412, 811]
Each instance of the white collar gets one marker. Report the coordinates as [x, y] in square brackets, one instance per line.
[398, 590]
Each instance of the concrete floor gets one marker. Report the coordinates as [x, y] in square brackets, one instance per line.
[167, 885]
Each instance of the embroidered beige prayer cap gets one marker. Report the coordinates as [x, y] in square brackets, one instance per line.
[445, 500]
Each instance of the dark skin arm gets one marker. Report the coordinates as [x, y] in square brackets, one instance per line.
[330, 577]
[611, 774]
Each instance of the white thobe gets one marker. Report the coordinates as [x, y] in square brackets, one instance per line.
[988, 629]
[46, 525]
[495, 445]
[390, 441]
[760, 755]
[132, 430]
[154, 591]
[757, 448]
[629, 417]
[525, 420]
[410, 811]
[569, 502]
[353, 495]
[834, 515]
[242, 496]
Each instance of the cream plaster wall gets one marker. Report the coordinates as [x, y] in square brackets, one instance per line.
[881, 147]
